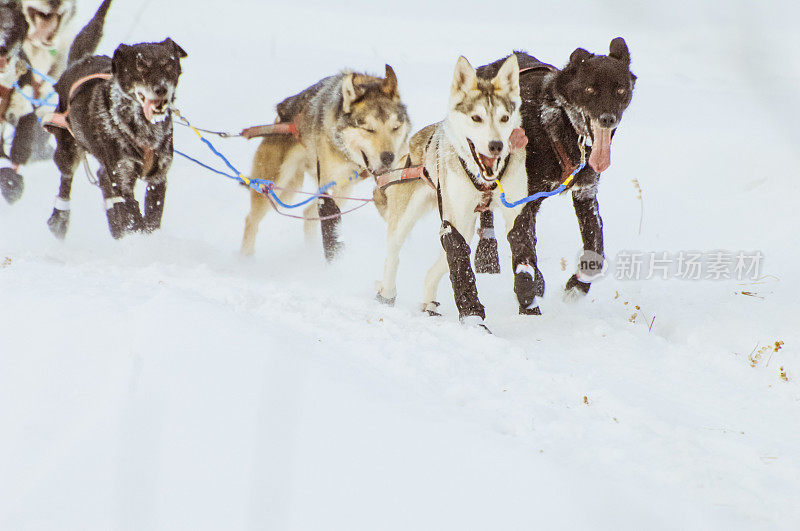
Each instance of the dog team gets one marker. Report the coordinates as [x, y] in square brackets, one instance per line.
[513, 128]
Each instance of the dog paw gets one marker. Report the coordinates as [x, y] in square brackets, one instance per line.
[333, 250]
[474, 321]
[11, 185]
[59, 223]
[487, 260]
[386, 301]
[530, 311]
[575, 289]
[431, 308]
[123, 217]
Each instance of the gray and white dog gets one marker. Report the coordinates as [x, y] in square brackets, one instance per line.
[123, 120]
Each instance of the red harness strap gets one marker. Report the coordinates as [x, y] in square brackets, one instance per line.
[412, 173]
[271, 129]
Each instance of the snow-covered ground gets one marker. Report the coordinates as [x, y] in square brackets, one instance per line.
[163, 383]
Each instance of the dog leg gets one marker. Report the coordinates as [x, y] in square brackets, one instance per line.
[154, 205]
[432, 280]
[528, 280]
[122, 209]
[590, 223]
[280, 157]
[259, 206]
[400, 224]
[329, 210]
[462, 277]
[67, 160]
[487, 260]
[12, 184]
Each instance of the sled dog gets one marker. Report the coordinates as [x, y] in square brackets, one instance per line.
[465, 156]
[561, 108]
[118, 110]
[347, 125]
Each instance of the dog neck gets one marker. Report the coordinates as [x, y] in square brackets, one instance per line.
[555, 105]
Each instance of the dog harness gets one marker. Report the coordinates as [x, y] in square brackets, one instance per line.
[60, 120]
[279, 128]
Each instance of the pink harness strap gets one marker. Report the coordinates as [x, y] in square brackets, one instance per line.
[60, 120]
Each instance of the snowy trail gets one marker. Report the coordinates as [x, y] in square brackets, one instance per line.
[163, 383]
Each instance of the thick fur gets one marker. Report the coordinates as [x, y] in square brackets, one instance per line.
[587, 97]
[125, 123]
[49, 33]
[347, 123]
[13, 30]
[13, 107]
[484, 110]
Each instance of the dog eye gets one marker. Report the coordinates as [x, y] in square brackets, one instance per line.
[368, 130]
[590, 91]
[396, 129]
[505, 118]
[477, 119]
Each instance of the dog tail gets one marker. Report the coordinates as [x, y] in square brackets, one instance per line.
[87, 41]
[381, 201]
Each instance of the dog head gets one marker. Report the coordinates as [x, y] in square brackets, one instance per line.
[13, 29]
[148, 73]
[46, 18]
[484, 112]
[375, 122]
[600, 88]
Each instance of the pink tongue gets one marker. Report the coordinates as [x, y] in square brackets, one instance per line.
[600, 159]
[149, 108]
[488, 162]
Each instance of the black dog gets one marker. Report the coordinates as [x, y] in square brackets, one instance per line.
[123, 121]
[585, 100]
[13, 29]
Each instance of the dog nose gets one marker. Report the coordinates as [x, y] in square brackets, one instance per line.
[161, 92]
[387, 157]
[495, 147]
[608, 120]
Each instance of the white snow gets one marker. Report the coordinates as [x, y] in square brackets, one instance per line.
[162, 383]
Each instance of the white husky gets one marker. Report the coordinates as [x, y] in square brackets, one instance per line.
[464, 157]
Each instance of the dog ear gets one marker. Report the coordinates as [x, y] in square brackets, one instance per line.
[389, 85]
[507, 78]
[578, 56]
[619, 50]
[181, 53]
[464, 77]
[349, 94]
[119, 57]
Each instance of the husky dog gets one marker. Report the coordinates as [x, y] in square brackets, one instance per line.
[46, 40]
[584, 100]
[347, 124]
[13, 28]
[464, 156]
[49, 36]
[123, 120]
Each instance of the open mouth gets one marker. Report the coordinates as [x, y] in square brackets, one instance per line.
[45, 25]
[600, 159]
[487, 165]
[154, 109]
